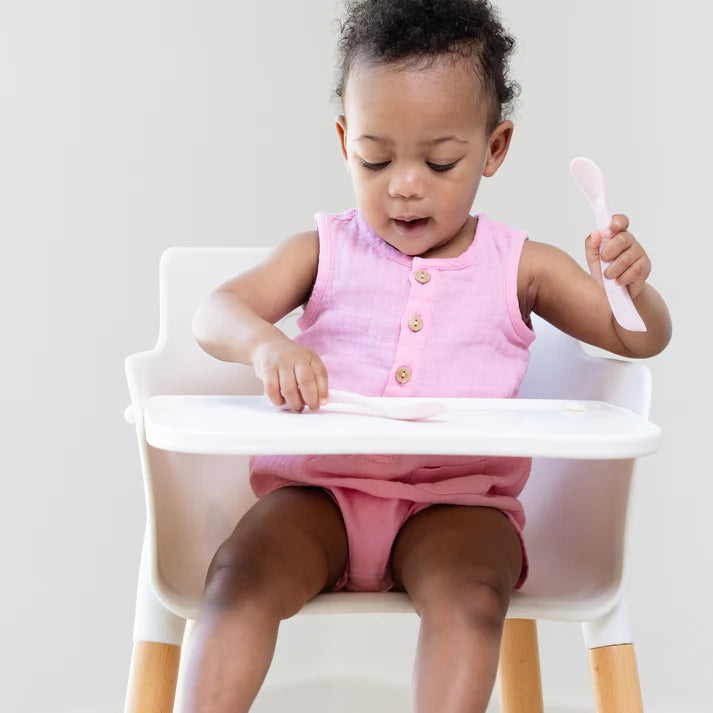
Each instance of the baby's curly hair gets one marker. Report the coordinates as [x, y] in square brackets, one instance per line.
[383, 31]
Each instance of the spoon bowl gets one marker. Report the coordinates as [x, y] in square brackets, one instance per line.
[590, 179]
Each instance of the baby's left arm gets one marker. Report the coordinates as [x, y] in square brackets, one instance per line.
[576, 302]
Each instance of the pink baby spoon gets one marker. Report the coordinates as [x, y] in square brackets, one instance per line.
[398, 407]
[591, 180]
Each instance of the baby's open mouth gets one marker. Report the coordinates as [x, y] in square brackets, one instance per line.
[411, 225]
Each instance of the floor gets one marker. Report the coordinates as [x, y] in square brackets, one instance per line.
[330, 695]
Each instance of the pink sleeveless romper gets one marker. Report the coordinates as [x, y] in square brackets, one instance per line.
[388, 324]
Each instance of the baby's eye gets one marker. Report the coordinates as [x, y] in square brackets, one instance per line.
[375, 166]
[442, 167]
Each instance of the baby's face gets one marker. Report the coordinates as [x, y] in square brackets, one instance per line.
[416, 146]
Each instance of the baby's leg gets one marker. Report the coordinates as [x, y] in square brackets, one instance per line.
[458, 565]
[286, 549]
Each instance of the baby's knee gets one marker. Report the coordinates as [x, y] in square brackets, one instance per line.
[238, 579]
[254, 571]
[486, 603]
[473, 602]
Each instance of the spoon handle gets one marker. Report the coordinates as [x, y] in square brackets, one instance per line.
[349, 397]
[620, 301]
[590, 179]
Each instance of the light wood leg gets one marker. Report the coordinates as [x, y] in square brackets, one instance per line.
[152, 678]
[519, 670]
[616, 679]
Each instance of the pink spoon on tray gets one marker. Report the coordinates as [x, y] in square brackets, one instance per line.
[591, 180]
[401, 408]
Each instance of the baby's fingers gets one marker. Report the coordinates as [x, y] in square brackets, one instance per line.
[271, 384]
[638, 273]
[616, 246]
[312, 382]
[307, 384]
[320, 375]
[289, 388]
[618, 224]
[619, 259]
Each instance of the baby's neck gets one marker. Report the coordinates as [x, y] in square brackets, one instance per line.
[457, 245]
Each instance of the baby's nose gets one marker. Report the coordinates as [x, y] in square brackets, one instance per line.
[406, 184]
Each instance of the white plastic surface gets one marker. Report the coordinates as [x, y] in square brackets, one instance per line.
[612, 629]
[152, 620]
[511, 427]
[590, 179]
[576, 502]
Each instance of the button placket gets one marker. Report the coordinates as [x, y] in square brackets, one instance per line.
[406, 367]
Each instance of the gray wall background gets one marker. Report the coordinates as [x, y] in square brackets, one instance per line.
[129, 127]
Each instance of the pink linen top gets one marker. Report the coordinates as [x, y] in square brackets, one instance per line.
[388, 324]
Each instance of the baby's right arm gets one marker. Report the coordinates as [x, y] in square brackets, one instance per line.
[236, 323]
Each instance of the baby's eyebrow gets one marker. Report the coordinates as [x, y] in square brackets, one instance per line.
[439, 140]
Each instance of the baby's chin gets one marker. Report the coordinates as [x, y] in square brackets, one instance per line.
[414, 248]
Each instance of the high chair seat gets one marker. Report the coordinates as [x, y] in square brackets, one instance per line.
[583, 419]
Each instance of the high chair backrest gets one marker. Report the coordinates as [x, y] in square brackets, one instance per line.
[576, 510]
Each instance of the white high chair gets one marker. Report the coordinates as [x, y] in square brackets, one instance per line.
[584, 420]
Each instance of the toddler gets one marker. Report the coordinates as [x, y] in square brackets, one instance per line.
[408, 294]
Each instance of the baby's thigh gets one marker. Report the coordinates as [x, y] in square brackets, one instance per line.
[287, 548]
[457, 556]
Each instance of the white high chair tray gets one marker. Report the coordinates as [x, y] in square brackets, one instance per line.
[250, 425]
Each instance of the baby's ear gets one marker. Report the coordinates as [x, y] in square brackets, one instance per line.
[498, 145]
[341, 125]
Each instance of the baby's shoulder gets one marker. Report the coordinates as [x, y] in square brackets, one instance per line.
[537, 262]
[532, 254]
[526, 276]
[541, 267]
[294, 260]
[300, 246]
[538, 258]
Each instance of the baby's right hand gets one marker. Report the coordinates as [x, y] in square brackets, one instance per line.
[291, 374]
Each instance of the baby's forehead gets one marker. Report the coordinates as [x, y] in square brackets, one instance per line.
[442, 89]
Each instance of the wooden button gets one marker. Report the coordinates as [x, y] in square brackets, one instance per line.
[403, 375]
[415, 324]
[422, 276]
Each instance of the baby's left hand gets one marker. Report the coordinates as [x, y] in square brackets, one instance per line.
[630, 265]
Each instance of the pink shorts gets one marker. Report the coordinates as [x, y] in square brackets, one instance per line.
[376, 494]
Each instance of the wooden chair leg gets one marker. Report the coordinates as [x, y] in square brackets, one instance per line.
[616, 679]
[152, 678]
[519, 670]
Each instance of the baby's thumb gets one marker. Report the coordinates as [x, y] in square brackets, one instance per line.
[591, 249]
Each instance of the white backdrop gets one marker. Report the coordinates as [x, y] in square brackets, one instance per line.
[128, 127]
